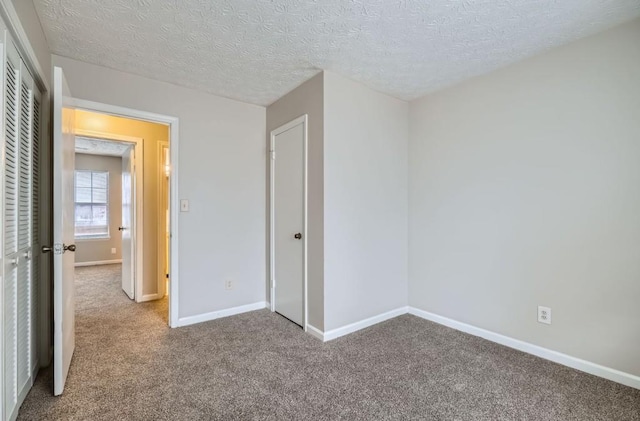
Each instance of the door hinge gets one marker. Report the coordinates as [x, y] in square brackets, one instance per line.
[167, 276]
[273, 155]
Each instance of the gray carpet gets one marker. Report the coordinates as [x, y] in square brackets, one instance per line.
[129, 365]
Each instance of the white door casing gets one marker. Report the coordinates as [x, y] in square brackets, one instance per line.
[174, 142]
[288, 219]
[137, 231]
[127, 226]
[164, 238]
[63, 231]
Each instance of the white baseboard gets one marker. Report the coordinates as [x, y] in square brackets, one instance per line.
[150, 297]
[98, 263]
[190, 320]
[557, 357]
[354, 327]
[34, 372]
[315, 332]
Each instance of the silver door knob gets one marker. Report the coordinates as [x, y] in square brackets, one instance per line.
[46, 249]
[298, 236]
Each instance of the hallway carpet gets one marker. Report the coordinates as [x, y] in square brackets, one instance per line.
[129, 365]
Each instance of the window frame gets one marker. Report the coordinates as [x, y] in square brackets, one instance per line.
[92, 203]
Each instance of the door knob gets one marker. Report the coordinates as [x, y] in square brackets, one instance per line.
[46, 249]
[70, 247]
[298, 236]
[121, 228]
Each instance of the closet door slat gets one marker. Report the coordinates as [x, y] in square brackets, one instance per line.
[11, 160]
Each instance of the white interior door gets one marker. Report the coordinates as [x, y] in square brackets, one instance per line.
[63, 231]
[288, 220]
[127, 226]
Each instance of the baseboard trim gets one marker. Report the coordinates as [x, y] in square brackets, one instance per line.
[150, 297]
[354, 327]
[315, 332]
[548, 354]
[98, 263]
[35, 371]
[190, 320]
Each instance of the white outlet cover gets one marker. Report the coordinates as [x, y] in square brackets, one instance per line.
[184, 205]
[113, 250]
[544, 315]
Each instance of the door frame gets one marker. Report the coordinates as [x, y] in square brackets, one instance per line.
[138, 145]
[303, 119]
[174, 202]
[162, 257]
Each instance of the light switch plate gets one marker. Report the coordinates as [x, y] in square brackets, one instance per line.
[184, 205]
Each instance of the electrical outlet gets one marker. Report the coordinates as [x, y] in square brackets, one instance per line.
[228, 284]
[113, 250]
[544, 315]
[184, 205]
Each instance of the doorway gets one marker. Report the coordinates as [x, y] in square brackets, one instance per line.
[288, 221]
[109, 197]
[139, 225]
[66, 111]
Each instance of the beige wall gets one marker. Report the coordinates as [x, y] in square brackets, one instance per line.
[98, 250]
[525, 191]
[307, 99]
[365, 202]
[358, 160]
[151, 134]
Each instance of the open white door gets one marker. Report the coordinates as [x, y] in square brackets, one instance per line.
[127, 226]
[63, 231]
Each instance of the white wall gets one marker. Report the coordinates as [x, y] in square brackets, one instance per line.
[222, 170]
[365, 199]
[525, 190]
[98, 250]
[307, 98]
[31, 24]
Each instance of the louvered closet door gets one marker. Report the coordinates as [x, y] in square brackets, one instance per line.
[35, 225]
[25, 237]
[11, 192]
[21, 189]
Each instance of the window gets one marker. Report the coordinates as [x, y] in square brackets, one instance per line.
[92, 204]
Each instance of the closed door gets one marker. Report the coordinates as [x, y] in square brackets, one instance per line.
[288, 220]
[126, 228]
[20, 229]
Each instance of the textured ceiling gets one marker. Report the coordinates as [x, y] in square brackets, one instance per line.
[100, 147]
[258, 50]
